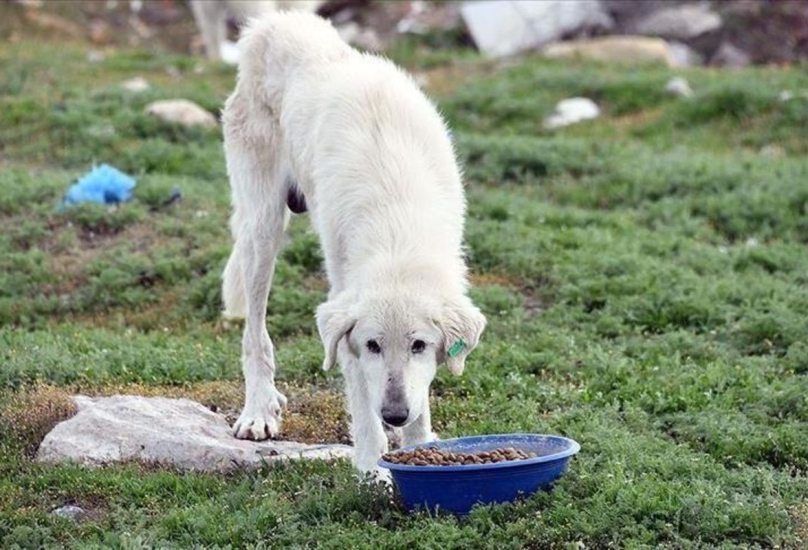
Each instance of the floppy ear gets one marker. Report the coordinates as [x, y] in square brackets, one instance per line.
[462, 324]
[335, 319]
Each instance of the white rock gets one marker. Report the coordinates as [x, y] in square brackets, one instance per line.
[787, 95]
[181, 111]
[94, 56]
[679, 86]
[572, 110]
[229, 52]
[501, 28]
[70, 511]
[136, 85]
[772, 151]
[618, 48]
[680, 22]
[176, 432]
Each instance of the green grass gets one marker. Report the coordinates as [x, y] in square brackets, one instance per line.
[644, 276]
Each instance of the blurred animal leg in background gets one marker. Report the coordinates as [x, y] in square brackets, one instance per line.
[211, 19]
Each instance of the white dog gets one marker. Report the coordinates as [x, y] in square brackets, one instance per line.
[211, 19]
[314, 123]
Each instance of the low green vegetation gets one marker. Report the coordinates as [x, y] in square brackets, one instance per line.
[645, 276]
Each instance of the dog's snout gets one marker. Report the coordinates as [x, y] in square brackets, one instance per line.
[395, 416]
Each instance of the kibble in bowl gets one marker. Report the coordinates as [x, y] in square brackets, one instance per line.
[433, 456]
[456, 474]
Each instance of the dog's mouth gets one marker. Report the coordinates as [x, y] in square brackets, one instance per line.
[396, 422]
[394, 426]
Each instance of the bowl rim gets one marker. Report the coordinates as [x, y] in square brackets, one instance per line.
[573, 447]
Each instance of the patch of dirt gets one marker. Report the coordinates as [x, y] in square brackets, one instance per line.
[799, 515]
[533, 301]
[32, 412]
[315, 282]
[446, 79]
[68, 258]
[638, 119]
[499, 279]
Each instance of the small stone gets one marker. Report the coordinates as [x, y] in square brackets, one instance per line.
[787, 95]
[136, 85]
[772, 151]
[229, 52]
[181, 111]
[94, 56]
[678, 86]
[70, 512]
[571, 111]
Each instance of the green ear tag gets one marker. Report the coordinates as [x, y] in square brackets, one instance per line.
[458, 346]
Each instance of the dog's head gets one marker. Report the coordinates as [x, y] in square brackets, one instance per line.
[396, 343]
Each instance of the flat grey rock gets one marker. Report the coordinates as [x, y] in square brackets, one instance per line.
[174, 432]
[613, 49]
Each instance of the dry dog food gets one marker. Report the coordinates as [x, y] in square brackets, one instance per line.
[432, 456]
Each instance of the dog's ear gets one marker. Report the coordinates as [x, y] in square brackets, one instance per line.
[461, 324]
[335, 319]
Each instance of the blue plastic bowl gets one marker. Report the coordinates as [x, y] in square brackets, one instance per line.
[458, 488]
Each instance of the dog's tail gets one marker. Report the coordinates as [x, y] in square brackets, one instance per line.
[275, 45]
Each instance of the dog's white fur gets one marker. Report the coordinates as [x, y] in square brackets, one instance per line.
[373, 160]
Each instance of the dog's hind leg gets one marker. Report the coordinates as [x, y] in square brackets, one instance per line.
[258, 224]
[210, 17]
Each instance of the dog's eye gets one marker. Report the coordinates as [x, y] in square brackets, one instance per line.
[373, 346]
[418, 346]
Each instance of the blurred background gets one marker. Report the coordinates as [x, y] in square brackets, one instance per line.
[715, 33]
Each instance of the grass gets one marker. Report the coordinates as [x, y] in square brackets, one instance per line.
[644, 276]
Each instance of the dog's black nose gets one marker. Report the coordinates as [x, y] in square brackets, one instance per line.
[395, 417]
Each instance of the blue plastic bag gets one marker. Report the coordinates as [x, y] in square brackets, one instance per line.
[104, 185]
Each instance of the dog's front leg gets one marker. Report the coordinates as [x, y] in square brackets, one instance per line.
[419, 431]
[369, 439]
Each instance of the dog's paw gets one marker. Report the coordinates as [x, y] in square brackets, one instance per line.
[259, 421]
[376, 476]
